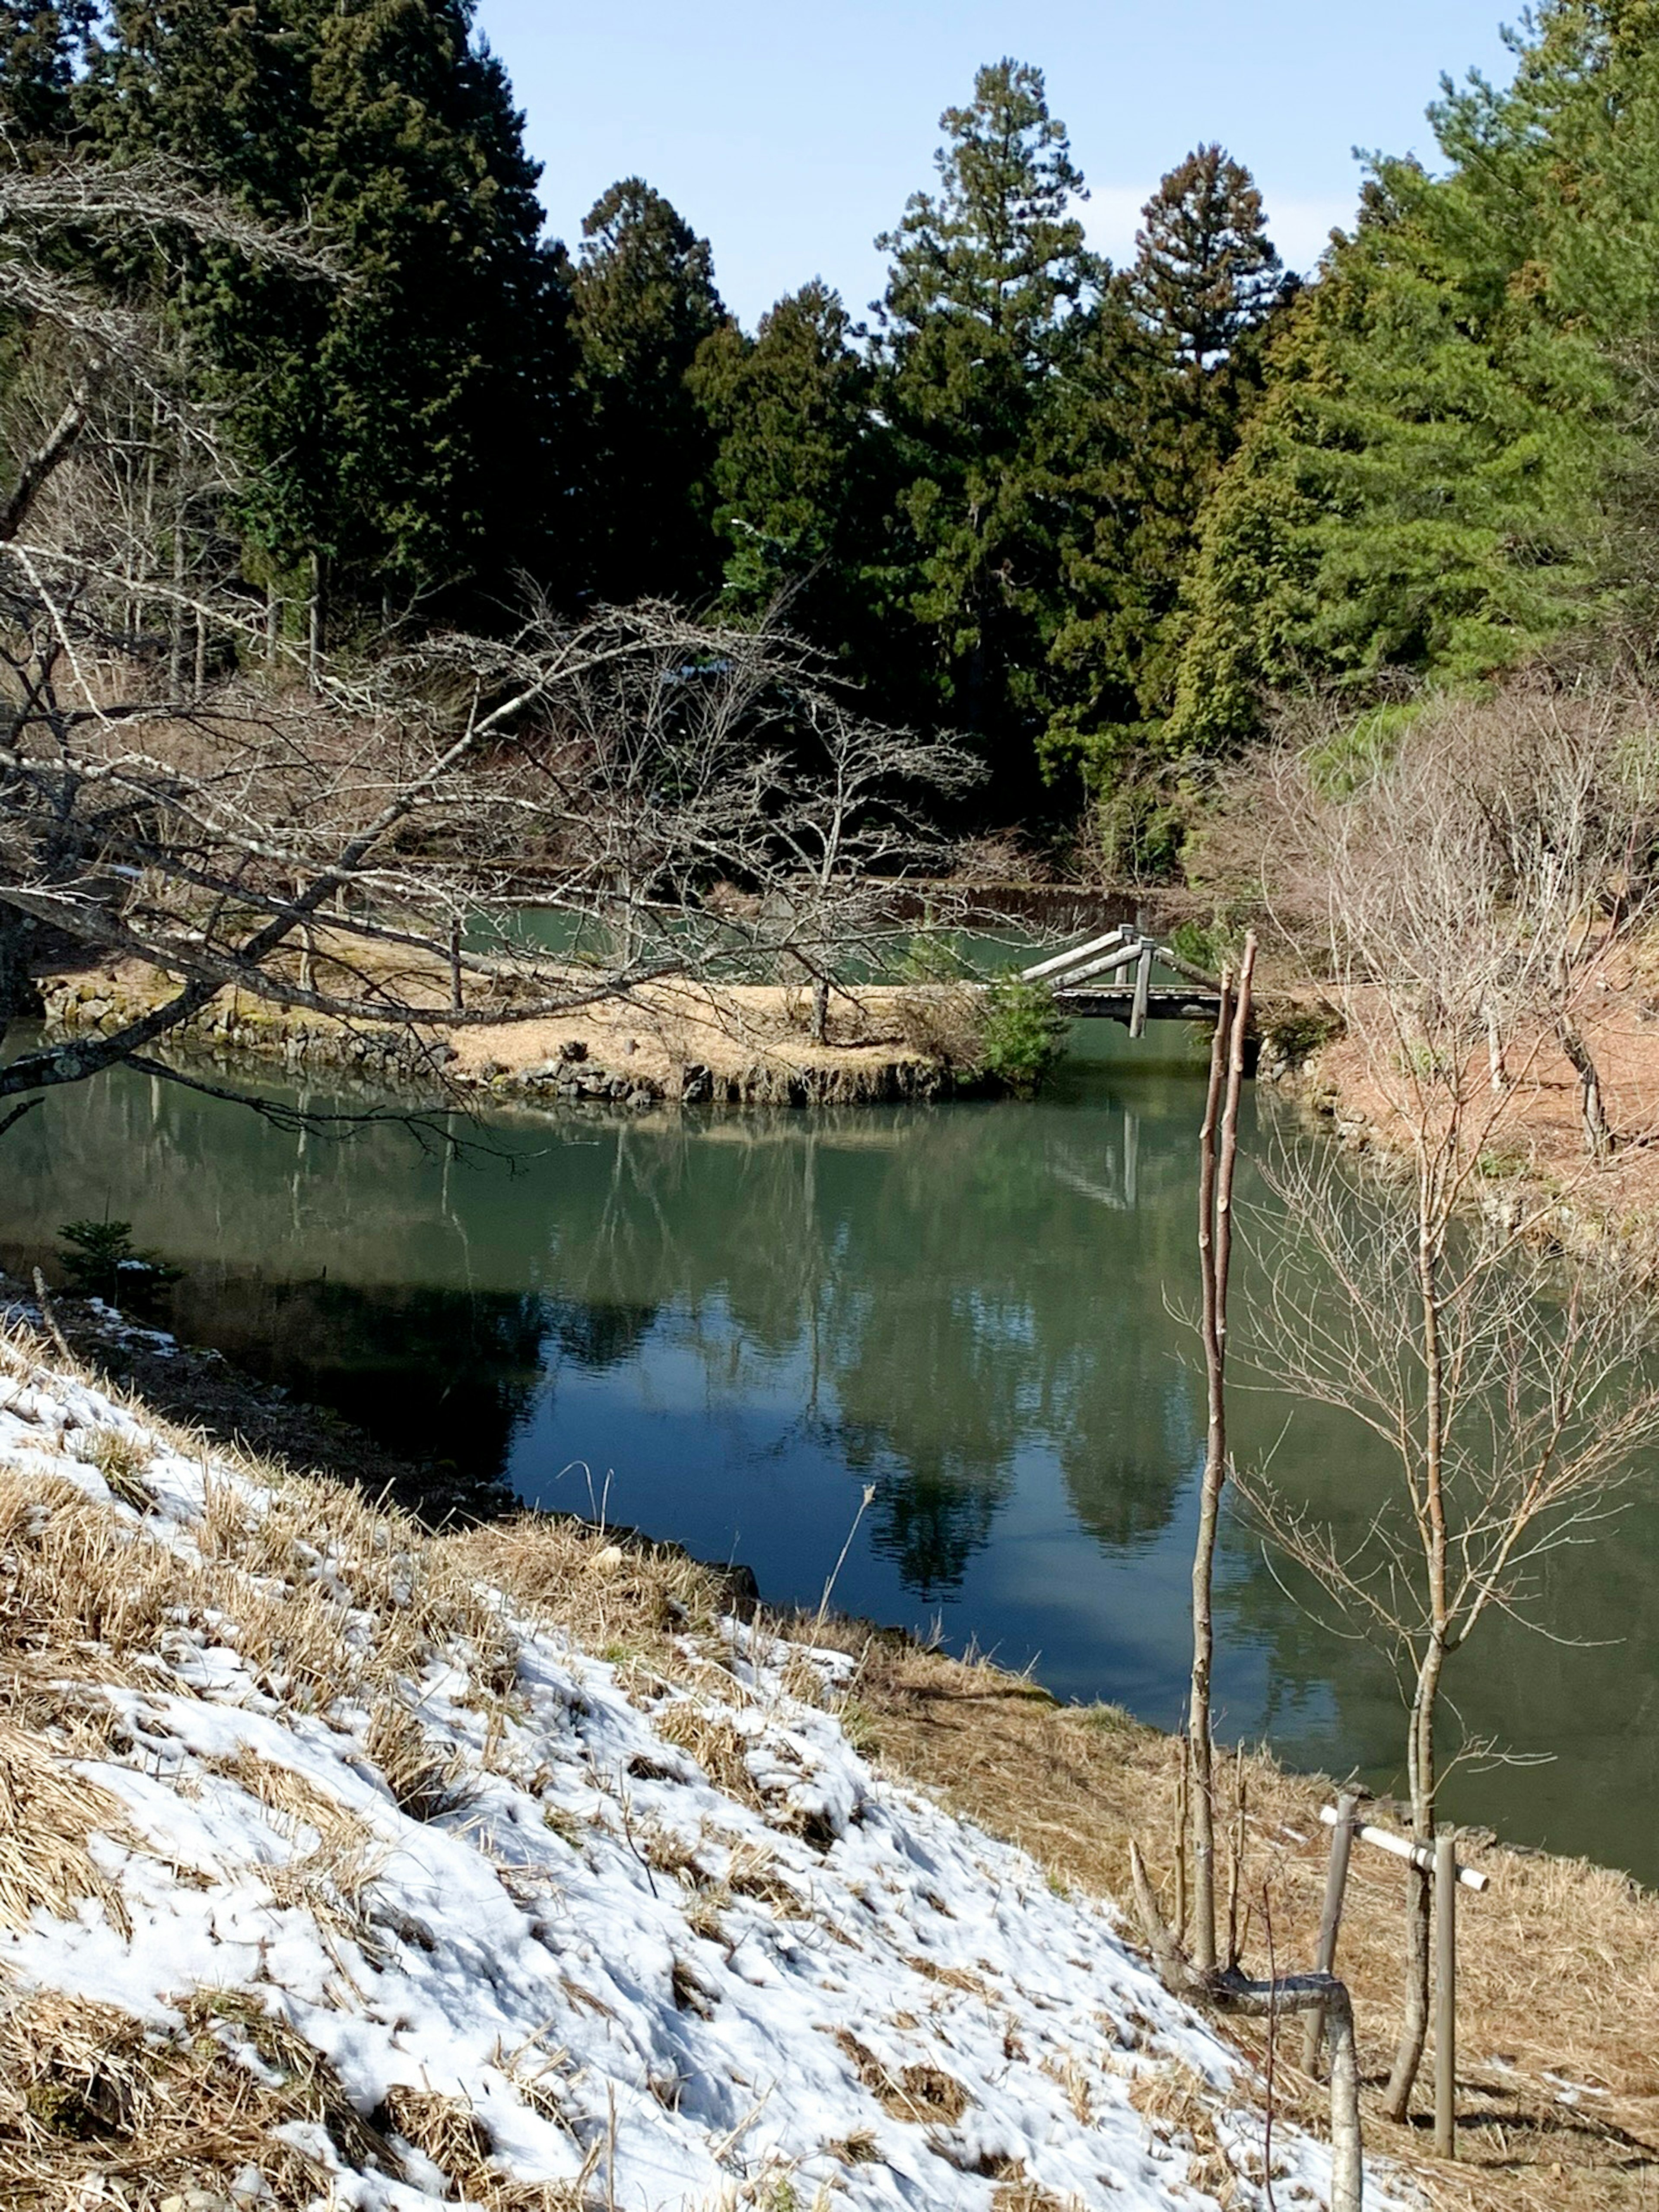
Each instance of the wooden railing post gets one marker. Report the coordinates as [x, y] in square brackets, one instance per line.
[1336, 1882]
[1445, 1995]
[1143, 987]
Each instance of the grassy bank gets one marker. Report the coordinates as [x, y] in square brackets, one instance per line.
[348, 1863]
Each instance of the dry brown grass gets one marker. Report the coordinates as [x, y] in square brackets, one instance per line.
[47, 1813]
[715, 1744]
[1556, 1972]
[922, 2094]
[452, 2135]
[91, 2097]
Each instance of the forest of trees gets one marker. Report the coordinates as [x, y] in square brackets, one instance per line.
[1096, 519]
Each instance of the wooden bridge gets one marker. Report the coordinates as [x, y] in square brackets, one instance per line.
[1110, 978]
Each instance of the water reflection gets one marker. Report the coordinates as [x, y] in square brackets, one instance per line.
[733, 1324]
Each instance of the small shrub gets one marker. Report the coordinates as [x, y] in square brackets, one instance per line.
[1202, 943]
[930, 958]
[943, 1020]
[1294, 1034]
[121, 1459]
[98, 1258]
[1024, 1033]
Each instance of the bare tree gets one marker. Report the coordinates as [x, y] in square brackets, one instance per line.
[1445, 900]
[312, 834]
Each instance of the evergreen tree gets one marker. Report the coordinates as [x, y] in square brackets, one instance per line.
[797, 471]
[1436, 481]
[39, 44]
[984, 274]
[644, 304]
[1165, 367]
[401, 426]
[1206, 273]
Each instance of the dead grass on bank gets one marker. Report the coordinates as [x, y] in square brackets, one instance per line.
[1557, 1965]
[331, 1596]
[96, 2108]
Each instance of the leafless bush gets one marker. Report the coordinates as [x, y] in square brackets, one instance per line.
[1455, 884]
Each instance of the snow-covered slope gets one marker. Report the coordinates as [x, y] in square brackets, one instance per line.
[565, 1929]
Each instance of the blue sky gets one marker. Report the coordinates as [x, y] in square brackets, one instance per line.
[791, 134]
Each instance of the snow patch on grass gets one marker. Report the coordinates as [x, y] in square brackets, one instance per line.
[340, 1873]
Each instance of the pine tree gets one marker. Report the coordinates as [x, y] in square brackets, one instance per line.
[1165, 369]
[983, 275]
[1206, 273]
[643, 304]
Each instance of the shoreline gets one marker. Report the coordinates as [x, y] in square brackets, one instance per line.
[741, 1045]
[1073, 1784]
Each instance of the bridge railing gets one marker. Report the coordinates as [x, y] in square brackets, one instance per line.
[1114, 955]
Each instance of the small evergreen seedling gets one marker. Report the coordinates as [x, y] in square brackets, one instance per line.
[100, 1262]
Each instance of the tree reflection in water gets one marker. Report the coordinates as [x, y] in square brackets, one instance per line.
[736, 1322]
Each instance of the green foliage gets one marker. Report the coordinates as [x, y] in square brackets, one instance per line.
[39, 45]
[931, 957]
[1023, 1035]
[1206, 274]
[1439, 476]
[1203, 944]
[401, 425]
[1292, 1035]
[643, 305]
[1164, 368]
[972, 328]
[796, 472]
[101, 1262]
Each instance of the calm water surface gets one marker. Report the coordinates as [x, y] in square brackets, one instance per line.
[725, 1326]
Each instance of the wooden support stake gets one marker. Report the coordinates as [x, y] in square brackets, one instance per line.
[455, 966]
[1445, 1995]
[1143, 986]
[1330, 1920]
[1182, 1791]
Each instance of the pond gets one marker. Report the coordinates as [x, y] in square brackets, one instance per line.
[720, 1328]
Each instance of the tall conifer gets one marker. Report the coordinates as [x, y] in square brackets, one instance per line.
[796, 475]
[984, 274]
[644, 303]
[401, 426]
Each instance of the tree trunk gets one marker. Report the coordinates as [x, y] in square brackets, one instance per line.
[1415, 2023]
[1497, 1073]
[821, 1009]
[1598, 1137]
[1197, 1708]
[1217, 1150]
[316, 625]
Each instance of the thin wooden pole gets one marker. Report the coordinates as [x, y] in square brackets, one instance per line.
[455, 1000]
[1198, 1711]
[1445, 1995]
[1330, 1920]
[1182, 1789]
